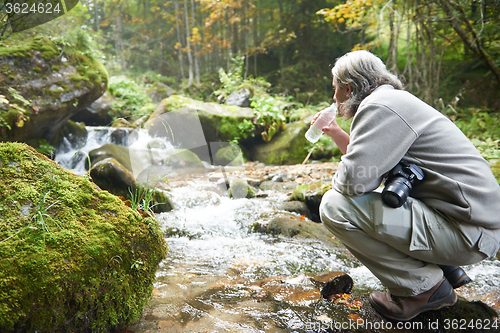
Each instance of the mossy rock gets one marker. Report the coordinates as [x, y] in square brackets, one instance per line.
[311, 194]
[57, 80]
[286, 147]
[191, 123]
[73, 258]
[240, 189]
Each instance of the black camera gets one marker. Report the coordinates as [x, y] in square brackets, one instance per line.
[399, 183]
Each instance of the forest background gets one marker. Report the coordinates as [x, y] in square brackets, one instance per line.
[446, 52]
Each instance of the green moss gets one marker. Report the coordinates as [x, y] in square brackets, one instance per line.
[55, 68]
[37, 69]
[319, 187]
[72, 257]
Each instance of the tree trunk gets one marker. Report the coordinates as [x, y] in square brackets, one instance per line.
[188, 45]
[96, 16]
[179, 40]
[195, 48]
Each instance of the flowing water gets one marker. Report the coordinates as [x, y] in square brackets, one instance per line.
[217, 273]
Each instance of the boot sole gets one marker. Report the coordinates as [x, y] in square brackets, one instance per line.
[424, 308]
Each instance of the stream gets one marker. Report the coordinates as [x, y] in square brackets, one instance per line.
[217, 273]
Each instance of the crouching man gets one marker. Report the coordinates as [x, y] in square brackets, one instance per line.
[452, 216]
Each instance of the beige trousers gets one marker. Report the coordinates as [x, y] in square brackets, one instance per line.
[402, 246]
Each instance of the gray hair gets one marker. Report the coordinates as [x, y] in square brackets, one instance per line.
[364, 72]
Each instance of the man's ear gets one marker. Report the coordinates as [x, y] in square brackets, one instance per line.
[349, 89]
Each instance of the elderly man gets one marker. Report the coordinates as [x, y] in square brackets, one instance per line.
[451, 218]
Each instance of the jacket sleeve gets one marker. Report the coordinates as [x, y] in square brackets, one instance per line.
[379, 139]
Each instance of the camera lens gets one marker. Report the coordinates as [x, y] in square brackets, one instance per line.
[395, 194]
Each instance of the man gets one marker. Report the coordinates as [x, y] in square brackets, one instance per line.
[451, 218]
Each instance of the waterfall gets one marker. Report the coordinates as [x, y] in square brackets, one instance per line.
[73, 154]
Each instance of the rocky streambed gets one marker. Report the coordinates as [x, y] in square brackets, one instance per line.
[252, 264]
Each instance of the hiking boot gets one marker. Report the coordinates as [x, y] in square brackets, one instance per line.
[406, 308]
[455, 276]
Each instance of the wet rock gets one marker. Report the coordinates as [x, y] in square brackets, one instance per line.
[296, 295]
[75, 133]
[56, 89]
[120, 136]
[298, 207]
[333, 283]
[109, 150]
[240, 189]
[296, 227]
[111, 175]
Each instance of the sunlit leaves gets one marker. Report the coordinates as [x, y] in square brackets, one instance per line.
[352, 13]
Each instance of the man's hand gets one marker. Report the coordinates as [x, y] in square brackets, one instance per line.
[334, 131]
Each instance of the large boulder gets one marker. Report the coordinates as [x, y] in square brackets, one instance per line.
[189, 123]
[73, 258]
[286, 147]
[51, 83]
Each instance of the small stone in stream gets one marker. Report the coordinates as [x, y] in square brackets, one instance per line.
[333, 283]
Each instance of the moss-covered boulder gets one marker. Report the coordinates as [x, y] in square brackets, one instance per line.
[190, 123]
[73, 258]
[49, 82]
[286, 147]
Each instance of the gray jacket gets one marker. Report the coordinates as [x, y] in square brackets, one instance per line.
[391, 125]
